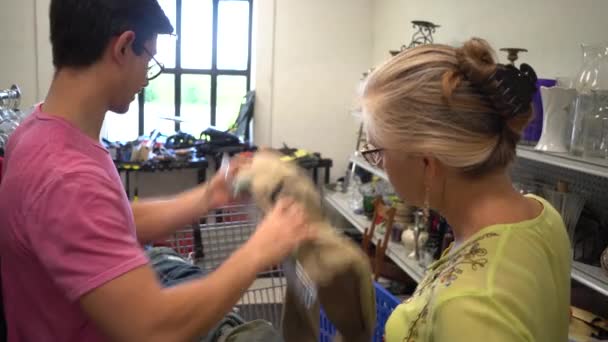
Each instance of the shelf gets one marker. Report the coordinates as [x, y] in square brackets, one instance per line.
[339, 202]
[590, 276]
[592, 166]
[395, 251]
[360, 162]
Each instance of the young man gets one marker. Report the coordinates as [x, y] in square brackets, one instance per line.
[71, 262]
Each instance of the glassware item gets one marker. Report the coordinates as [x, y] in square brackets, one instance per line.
[556, 109]
[19, 115]
[592, 76]
[10, 115]
[355, 198]
[10, 98]
[595, 124]
[565, 82]
[7, 127]
[5, 115]
[533, 130]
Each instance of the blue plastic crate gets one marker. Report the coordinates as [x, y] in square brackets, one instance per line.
[385, 304]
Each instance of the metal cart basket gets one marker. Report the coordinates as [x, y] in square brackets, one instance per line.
[209, 242]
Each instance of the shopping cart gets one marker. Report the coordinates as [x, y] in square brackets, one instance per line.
[225, 230]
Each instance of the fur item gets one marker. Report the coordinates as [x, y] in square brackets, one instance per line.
[334, 263]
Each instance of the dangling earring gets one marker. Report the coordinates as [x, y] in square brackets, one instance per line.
[427, 205]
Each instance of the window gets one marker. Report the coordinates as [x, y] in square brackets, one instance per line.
[208, 71]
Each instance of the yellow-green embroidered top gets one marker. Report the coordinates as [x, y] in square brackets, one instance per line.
[506, 283]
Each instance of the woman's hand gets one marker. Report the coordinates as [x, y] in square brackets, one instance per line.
[280, 233]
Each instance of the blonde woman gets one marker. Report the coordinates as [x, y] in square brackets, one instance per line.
[444, 123]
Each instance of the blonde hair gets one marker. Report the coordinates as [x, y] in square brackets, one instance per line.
[441, 100]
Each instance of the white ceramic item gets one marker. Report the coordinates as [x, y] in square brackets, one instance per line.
[556, 110]
[407, 239]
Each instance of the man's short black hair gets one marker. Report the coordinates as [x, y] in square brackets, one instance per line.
[82, 29]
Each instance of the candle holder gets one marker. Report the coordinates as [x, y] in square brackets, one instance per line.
[422, 35]
[513, 53]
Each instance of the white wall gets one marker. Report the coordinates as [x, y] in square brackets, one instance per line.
[310, 57]
[551, 30]
[44, 55]
[26, 59]
[18, 48]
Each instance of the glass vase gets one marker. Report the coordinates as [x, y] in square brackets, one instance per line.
[593, 76]
[595, 135]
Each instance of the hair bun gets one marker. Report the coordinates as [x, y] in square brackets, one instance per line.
[508, 89]
[476, 61]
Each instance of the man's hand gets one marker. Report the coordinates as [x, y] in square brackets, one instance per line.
[280, 233]
[219, 189]
[156, 219]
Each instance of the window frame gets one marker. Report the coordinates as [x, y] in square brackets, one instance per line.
[214, 72]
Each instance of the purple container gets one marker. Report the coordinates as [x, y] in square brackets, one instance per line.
[534, 129]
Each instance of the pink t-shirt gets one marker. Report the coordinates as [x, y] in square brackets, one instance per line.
[66, 228]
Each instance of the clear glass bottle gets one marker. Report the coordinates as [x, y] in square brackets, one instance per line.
[592, 76]
[355, 198]
[595, 136]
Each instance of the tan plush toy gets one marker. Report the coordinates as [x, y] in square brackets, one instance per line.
[338, 267]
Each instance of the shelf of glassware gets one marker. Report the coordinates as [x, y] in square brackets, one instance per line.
[592, 166]
[591, 276]
[395, 251]
[362, 163]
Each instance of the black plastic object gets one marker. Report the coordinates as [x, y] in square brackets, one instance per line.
[216, 137]
[216, 142]
[242, 125]
[180, 140]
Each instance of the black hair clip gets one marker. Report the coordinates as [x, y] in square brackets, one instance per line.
[516, 88]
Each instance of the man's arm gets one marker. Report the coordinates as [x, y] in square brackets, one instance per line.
[133, 307]
[89, 251]
[158, 218]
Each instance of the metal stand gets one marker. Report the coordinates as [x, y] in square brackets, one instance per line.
[513, 53]
[422, 35]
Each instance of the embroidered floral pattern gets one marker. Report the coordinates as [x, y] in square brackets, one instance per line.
[475, 257]
[421, 319]
[446, 273]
